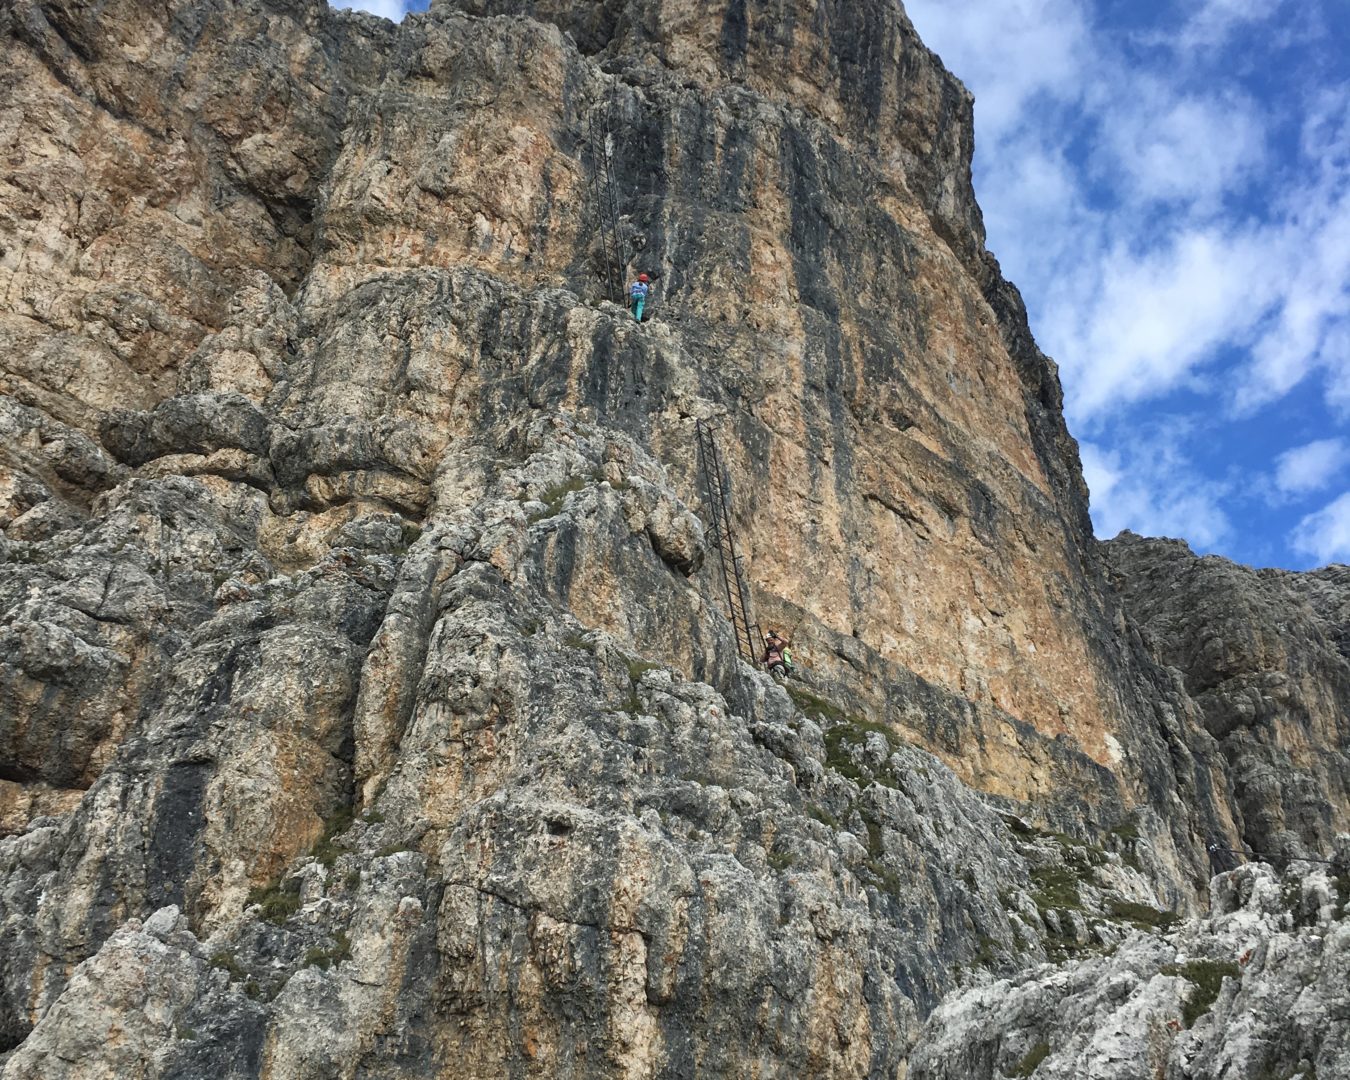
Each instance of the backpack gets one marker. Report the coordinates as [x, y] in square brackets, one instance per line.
[787, 657]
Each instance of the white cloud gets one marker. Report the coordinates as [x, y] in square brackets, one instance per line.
[1110, 167]
[1217, 20]
[1129, 326]
[1150, 488]
[1325, 535]
[1308, 262]
[1009, 52]
[1311, 467]
[393, 10]
[1336, 350]
[1101, 472]
[1162, 145]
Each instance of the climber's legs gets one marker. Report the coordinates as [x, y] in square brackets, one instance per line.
[638, 304]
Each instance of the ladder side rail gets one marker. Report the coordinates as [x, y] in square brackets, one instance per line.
[734, 585]
[741, 591]
[597, 153]
[620, 261]
[708, 450]
[743, 630]
[605, 207]
[713, 521]
[727, 551]
[712, 473]
[612, 226]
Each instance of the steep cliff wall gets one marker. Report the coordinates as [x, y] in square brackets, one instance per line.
[1264, 654]
[366, 705]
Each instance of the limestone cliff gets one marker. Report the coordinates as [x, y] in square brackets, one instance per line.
[367, 703]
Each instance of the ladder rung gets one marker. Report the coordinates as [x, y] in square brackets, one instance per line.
[724, 539]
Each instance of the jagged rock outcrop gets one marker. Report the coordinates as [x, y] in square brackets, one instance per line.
[366, 705]
[1257, 988]
[1264, 655]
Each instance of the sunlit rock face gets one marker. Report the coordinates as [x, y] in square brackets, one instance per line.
[367, 701]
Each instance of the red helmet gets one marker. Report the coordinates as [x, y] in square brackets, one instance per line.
[643, 278]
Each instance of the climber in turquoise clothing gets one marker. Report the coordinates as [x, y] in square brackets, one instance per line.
[637, 295]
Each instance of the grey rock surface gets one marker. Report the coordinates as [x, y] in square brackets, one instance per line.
[1257, 988]
[1263, 654]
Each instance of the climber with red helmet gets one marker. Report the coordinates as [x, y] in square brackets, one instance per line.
[637, 295]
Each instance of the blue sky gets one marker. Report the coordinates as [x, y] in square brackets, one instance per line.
[1169, 185]
[390, 9]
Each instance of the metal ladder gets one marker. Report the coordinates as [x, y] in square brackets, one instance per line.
[724, 539]
[603, 189]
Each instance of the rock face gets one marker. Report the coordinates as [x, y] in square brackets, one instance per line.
[1256, 989]
[367, 705]
[1266, 656]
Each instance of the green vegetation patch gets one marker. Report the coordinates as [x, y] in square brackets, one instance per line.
[578, 641]
[1207, 977]
[987, 953]
[1055, 887]
[838, 759]
[326, 849]
[553, 498]
[815, 706]
[395, 848]
[1018, 826]
[883, 877]
[1291, 896]
[1142, 916]
[278, 902]
[822, 815]
[227, 963]
[636, 668]
[1127, 834]
[782, 860]
[1059, 950]
[1079, 854]
[853, 731]
[874, 845]
[409, 534]
[1342, 883]
[322, 958]
[1031, 1062]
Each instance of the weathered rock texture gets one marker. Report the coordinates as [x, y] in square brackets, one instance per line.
[1255, 989]
[366, 705]
[1266, 656]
